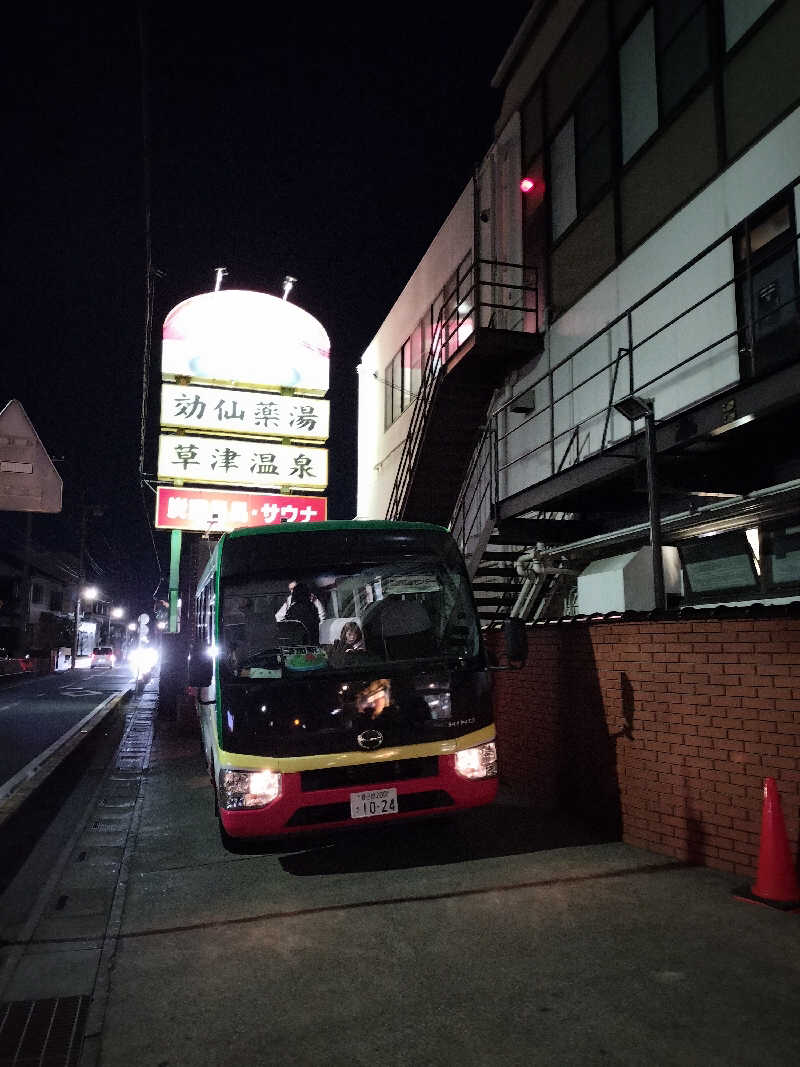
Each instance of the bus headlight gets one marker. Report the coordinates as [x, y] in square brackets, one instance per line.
[247, 789]
[478, 762]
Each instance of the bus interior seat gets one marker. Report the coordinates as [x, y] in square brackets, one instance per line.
[401, 629]
[292, 632]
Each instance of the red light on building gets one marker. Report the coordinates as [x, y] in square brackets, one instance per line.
[527, 184]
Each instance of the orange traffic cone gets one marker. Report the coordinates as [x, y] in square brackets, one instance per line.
[776, 880]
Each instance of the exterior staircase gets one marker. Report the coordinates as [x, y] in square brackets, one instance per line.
[477, 340]
[495, 582]
[499, 588]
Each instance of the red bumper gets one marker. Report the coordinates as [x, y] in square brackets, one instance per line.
[296, 811]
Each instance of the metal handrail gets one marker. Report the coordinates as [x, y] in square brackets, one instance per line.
[469, 292]
[606, 409]
[484, 461]
[624, 352]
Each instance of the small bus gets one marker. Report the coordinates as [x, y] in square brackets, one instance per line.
[376, 708]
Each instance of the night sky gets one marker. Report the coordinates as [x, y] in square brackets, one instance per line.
[283, 139]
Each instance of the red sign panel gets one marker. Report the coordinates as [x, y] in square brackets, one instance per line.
[213, 511]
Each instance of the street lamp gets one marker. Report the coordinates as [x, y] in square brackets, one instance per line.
[89, 593]
[115, 617]
[641, 407]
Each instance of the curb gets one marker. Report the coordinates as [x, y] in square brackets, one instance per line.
[25, 782]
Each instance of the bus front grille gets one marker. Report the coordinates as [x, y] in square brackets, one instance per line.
[401, 770]
[408, 802]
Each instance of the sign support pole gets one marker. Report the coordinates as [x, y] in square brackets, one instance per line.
[174, 578]
[25, 606]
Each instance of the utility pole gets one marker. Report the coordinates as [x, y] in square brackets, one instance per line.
[79, 590]
[86, 510]
[25, 592]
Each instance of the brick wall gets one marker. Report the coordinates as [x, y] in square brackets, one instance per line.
[663, 732]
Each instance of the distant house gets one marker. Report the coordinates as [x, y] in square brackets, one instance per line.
[51, 590]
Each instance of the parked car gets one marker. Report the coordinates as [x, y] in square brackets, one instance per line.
[103, 656]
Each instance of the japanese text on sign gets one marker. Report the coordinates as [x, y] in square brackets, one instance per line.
[234, 461]
[199, 407]
[208, 510]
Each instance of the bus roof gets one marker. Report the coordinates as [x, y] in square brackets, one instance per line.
[292, 529]
[284, 528]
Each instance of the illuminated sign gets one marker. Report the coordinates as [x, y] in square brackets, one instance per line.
[241, 462]
[210, 510]
[252, 339]
[198, 407]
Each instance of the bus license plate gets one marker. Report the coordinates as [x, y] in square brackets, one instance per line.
[373, 802]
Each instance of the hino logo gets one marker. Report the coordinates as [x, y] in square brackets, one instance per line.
[370, 739]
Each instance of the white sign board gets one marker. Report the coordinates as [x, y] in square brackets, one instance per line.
[28, 479]
[241, 462]
[247, 338]
[237, 411]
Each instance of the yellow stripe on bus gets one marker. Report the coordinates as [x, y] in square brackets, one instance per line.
[293, 764]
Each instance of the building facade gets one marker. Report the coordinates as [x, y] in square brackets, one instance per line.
[595, 381]
[50, 589]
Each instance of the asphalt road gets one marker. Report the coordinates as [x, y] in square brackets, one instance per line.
[36, 711]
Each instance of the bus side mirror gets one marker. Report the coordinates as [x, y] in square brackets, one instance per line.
[516, 639]
[201, 667]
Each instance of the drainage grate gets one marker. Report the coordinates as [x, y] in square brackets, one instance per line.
[42, 1031]
[107, 827]
[129, 764]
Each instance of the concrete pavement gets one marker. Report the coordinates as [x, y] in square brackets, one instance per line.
[505, 938]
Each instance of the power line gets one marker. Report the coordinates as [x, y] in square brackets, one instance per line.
[148, 242]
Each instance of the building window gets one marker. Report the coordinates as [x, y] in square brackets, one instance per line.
[37, 593]
[742, 564]
[682, 43]
[782, 557]
[765, 253]
[405, 361]
[740, 16]
[388, 395]
[661, 61]
[401, 383]
[580, 157]
[638, 87]
[592, 142]
[564, 201]
[720, 567]
[56, 600]
[443, 328]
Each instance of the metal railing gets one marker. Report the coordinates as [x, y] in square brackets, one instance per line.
[573, 415]
[488, 294]
[475, 506]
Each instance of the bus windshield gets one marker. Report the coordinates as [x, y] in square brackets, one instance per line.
[342, 602]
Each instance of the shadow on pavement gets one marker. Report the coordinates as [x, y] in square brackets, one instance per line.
[500, 830]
